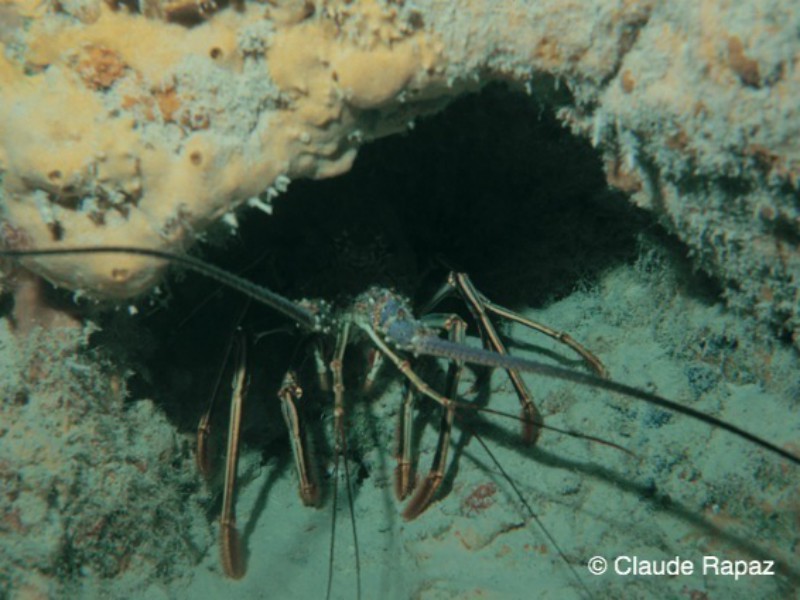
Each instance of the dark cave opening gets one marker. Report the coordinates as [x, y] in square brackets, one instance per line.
[493, 186]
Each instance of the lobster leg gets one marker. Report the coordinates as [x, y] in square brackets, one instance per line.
[405, 480]
[233, 561]
[289, 393]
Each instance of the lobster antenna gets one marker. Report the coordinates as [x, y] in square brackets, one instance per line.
[302, 316]
[533, 515]
[434, 346]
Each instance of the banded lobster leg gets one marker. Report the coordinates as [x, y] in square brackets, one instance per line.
[231, 551]
[290, 394]
[405, 480]
[232, 555]
[480, 307]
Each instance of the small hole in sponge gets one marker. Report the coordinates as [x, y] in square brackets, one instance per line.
[120, 275]
[196, 157]
[215, 52]
[54, 175]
